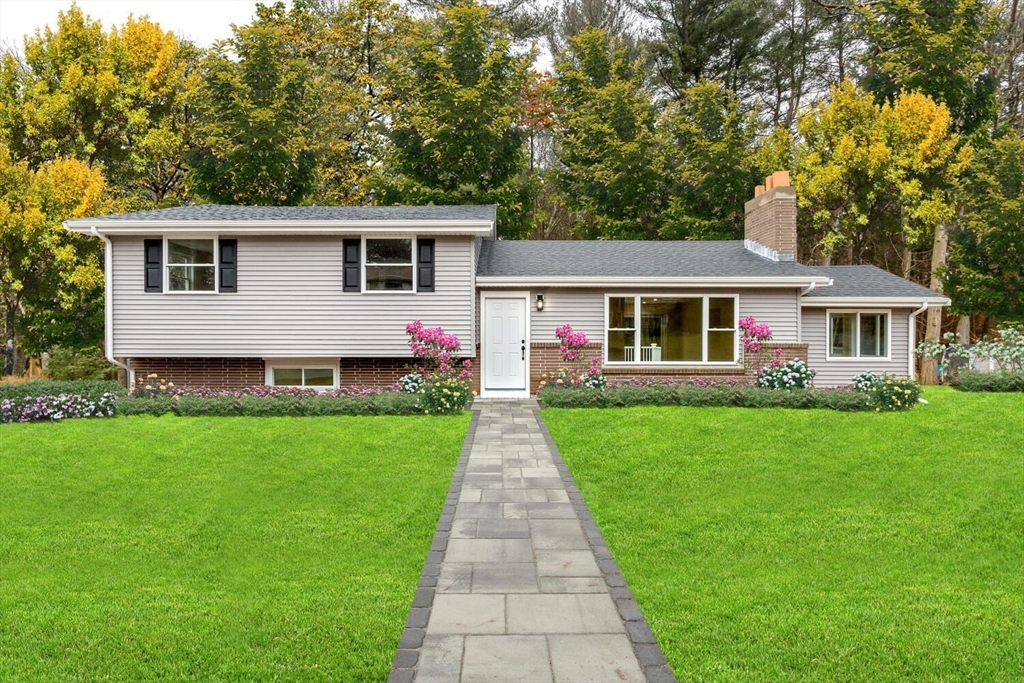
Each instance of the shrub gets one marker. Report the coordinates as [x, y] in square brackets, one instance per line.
[411, 383]
[70, 364]
[576, 372]
[278, 404]
[793, 374]
[990, 381]
[890, 392]
[444, 396]
[92, 389]
[446, 378]
[863, 381]
[57, 407]
[666, 394]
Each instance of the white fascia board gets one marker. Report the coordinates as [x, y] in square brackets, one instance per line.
[483, 282]
[282, 227]
[874, 301]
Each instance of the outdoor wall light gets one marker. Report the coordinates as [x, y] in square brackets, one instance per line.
[540, 302]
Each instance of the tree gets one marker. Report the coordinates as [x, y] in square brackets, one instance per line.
[253, 143]
[711, 163]
[46, 272]
[119, 99]
[571, 17]
[348, 46]
[875, 180]
[607, 143]
[456, 105]
[936, 47]
[716, 40]
[986, 250]
[1008, 66]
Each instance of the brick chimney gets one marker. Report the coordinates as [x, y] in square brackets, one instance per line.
[770, 220]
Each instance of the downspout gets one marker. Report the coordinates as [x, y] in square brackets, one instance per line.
[912, 333]
[800, 312]
[108, 304]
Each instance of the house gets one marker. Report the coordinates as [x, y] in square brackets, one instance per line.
[233, 296]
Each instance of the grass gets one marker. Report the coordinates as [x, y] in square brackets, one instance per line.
[783, 545]
[173, 548]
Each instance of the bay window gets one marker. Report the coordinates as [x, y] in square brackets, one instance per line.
[671, 329]
[858, 334]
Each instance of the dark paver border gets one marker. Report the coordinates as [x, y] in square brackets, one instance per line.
[403, 667]
[648, 652]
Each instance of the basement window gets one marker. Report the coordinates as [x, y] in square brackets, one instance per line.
[320, 375]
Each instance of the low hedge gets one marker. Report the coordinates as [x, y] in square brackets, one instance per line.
[55, 400]
[88, 388]
[385, 403]
[842, 399]
[990, 381]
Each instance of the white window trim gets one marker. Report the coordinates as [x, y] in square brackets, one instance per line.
[857, 357]
[166, 275]
[705, 307]
[415, 271]
[270, 364]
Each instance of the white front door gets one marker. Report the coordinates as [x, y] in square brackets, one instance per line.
[505, 344]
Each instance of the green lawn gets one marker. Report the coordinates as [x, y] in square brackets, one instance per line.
[215, 548]
[768, 545]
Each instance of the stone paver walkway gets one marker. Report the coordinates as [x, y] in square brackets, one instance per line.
[519, 584]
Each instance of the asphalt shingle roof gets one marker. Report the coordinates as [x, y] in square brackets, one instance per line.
[217, 212]
[601, 258]
[868, 281]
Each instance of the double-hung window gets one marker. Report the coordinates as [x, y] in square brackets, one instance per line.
[389, 265]
[191, 265]
[858, 334]
[671, 329]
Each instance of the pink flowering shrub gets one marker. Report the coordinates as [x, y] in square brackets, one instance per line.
[446, 377]
[576, 373]
[755, 352]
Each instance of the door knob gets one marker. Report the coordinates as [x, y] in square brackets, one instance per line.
[522, 349]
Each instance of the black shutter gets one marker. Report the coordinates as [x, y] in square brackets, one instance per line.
[228, 265]
[154, 263]
[350, 253]
[425, 265]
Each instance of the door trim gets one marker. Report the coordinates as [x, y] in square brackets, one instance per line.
[506, 393]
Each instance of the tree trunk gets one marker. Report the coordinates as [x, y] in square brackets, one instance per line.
[908, 263]
[9, 340]
[933, 322]
[963, 329]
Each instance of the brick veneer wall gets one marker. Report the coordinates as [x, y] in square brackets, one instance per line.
[215, 373]
[372, 371]
[544, 357]
[771, 220]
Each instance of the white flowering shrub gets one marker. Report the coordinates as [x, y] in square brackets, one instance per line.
[793, 374]
[411, 383]
[863, 381]
[57, 407]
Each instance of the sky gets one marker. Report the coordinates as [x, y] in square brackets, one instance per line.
[203, 21]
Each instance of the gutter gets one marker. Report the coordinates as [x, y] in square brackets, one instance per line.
[912, 334]
[108, 303]
[284, 227]
[487, 281]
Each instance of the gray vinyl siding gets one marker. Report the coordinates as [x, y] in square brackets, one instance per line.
[289, 304]
[584, 310]
[841, 370]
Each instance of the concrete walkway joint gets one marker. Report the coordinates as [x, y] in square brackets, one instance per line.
[519, 584]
